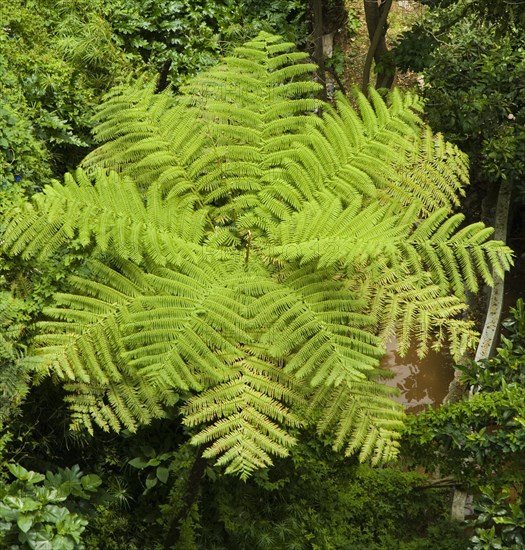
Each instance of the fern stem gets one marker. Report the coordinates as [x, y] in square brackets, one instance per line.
[248, 241]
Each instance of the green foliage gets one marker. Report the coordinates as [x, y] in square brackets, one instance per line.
[48, 92]
[472, 438]
[13, 373]
[44, 512]
[316, 500]
[26, 289]
[57, 59]
[22, 156]
[507, 15]
[500, 520]
[486, 433]
[353, 22]
[481, 440]
[192, 35]
[252, 257]
[505, 369]
[337, 61]
[472, 68]
[157, 466]
[313, 499]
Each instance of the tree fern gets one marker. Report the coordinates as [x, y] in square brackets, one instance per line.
[251, 251]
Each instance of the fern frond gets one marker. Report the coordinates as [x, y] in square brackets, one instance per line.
[110, 338]
[325, 233]
[112, 213]
[362, 417]
[248, 418]
[459, 256]
[323, 342]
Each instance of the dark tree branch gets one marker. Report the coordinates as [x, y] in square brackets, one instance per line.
[444, 483]
[316, 7]
[376, 16]
[162, 82]
[337, 79]
[190, 497]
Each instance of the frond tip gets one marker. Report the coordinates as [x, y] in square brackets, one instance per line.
[362, 418]
[246, 412]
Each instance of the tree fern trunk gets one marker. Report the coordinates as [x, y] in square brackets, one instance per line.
[162, 82]
[191, 494]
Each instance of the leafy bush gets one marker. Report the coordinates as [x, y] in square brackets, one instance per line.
[23, 158]
[500, 520]
[191, 36]
[481, 440]
[13, 374]
[319, 501]
[472, 68]
[48, 92]
[45, 512]
[485, 434]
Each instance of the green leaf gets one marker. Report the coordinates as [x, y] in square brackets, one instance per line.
[151, 481]
[61, 542]
[40, 540]
[18, 471]
[25, 522]
[22, 503]
[91, 482]
[148, 451]
[163, 474]
[25, 475]
[54, 514]
[138, 462]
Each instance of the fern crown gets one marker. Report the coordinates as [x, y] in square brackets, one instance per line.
[253, 250]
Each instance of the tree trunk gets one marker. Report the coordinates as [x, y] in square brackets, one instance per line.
[489, 335]
[162, 82]
[316, 7]
[376, 14]
[190, 496]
